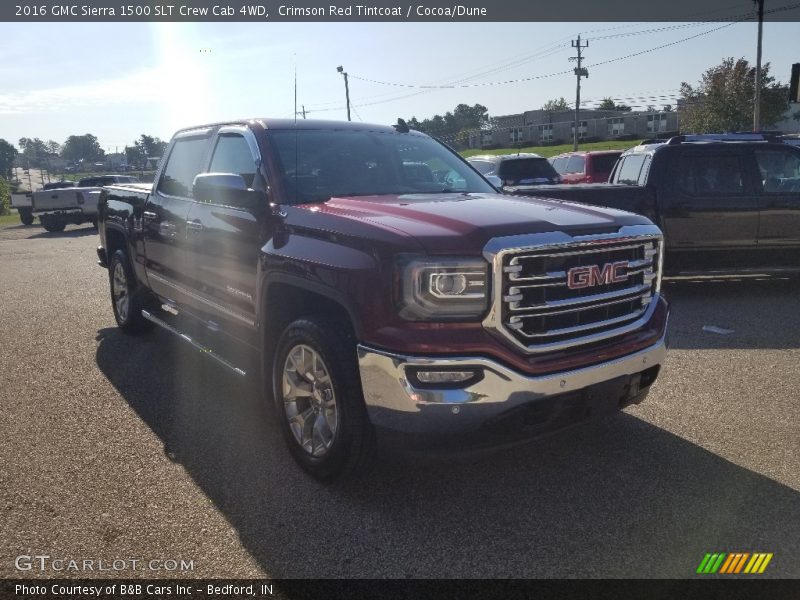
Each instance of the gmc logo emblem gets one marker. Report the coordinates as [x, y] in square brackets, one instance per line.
[583, 277]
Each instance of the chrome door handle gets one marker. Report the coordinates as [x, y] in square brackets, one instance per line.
[194, 225]
[148, 214]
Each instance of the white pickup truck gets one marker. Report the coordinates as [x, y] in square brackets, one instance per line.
[58, 207]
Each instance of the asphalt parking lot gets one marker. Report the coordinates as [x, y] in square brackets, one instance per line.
[117, 447]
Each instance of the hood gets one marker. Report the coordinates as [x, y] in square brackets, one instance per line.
[464, 223]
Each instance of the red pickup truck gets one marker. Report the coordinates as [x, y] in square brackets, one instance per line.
[383, 287]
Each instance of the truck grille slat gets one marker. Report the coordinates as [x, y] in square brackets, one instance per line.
[572, 293]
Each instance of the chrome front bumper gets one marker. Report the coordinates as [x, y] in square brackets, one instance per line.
[395, 403]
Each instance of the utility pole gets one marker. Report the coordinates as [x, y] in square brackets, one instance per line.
[346, 89]
[304, 110]
[757, 100]
[579, 72]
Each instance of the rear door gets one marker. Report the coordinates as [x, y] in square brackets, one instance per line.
[708, 201]
[779, 187]
[226, 240]
[164, 217]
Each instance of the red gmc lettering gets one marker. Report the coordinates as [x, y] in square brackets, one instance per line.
[582, 277]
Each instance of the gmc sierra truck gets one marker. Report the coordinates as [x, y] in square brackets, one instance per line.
[379, 302]
[727, 202]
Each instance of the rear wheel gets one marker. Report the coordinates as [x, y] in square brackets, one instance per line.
[52, 224]
[126, 296]
[318, 399]
[26, 216]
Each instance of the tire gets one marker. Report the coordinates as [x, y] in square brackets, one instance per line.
[94, 222]
[53, 225]
[126, 297]
[328, 432]
[26, 217]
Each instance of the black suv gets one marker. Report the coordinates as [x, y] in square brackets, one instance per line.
[515, 169]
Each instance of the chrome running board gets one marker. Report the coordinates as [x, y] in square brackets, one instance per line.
[204, 349]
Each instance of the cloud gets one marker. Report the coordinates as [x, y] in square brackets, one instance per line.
[139, 87]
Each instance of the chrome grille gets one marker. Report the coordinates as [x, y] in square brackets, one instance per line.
[539, 310]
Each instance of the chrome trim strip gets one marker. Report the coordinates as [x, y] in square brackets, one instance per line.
[528, 315]
[587, 327]
[206, 301]
[610, 248]
[581, 300]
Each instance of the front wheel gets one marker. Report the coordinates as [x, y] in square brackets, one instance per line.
[318, 399]
[126, 297]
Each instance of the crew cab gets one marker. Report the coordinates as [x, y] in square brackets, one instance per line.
[380, 289]
[61, 203]
[724, 202]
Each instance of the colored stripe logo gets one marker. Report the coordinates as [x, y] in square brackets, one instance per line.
[734, 563]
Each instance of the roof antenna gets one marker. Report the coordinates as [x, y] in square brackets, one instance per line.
[401, 126]
[296, 150]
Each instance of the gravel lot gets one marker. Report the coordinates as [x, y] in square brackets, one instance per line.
[118, 448]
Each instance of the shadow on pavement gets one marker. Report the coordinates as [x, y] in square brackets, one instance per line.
[759, 314]
[79, 231]
[618, 498]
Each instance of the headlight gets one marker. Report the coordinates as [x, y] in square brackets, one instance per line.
[441, 289]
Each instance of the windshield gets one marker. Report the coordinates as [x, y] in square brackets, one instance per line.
[321, 164]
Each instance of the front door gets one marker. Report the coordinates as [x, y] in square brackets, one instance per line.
[226, 240]
[779, 174]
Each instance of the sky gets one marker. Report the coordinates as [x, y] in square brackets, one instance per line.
[119, 80]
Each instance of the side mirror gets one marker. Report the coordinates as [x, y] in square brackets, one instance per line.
[228, 189]
[495, 181]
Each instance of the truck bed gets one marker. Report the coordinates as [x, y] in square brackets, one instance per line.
[632, 198]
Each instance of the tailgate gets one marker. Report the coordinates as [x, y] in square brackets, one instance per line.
[55, 199]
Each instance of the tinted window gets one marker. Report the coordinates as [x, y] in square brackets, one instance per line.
[575, 164]
[604, 163]
[320, 164]
[710, 175]
[233, 155]
[524, 170]
[560, 164]
[482, 166]
[780, 171]
[630, 168]
[184, 163]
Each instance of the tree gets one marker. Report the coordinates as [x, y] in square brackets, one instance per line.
[666, 108]
[559, 105]
[723, 99]
[53, 147]
[147, 146]
[609, 104]
[7, 155]
[82, 147]
[453, 127]
[34, 151]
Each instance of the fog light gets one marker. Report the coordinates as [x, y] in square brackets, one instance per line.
[438, 377]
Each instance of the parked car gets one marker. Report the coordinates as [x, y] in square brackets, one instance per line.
[376, 301]
[515, 169]
[724, 202]
[57, 207]
[585, 167]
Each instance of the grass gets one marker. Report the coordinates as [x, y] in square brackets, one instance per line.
[548, 151]
[10, 219]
